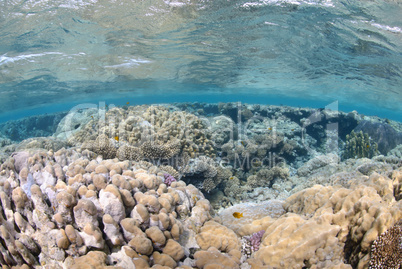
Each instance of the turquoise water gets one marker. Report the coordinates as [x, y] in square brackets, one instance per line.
[57, 54]
[277, 144]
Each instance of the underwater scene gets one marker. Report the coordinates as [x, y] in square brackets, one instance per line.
[201, 134]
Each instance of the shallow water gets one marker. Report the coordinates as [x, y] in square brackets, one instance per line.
[56, 54]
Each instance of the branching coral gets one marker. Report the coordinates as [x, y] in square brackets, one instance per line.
[265, 177]
[102, 146]
[162, 124]
[127, 152]
[159, 150]
[359, 145]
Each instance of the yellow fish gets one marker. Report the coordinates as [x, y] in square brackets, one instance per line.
[368, 146]
[243, 143]
[237, 215]
[127, 103]
[293, 130]
[270, 129]
[116, 138]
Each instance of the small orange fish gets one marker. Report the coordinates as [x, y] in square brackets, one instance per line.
[237, 215]
[116, 138]
[243, 143]
[231, 178]
[127, 103]
[92, 116]
[293, 130]
[269, 129]
[368, 146]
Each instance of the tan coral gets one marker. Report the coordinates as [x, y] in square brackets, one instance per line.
[174, 250]
[121, 182]
[292, 240]
[216, 235]
[141, 245]
[92, 260]
[111, 202]
[176, 231]
[140, 213]
[73, 235]
[149, 181]
[128, 199]
[156, 235]
[150, 201]
[213, 258]
[62, 240]
[330, 220]
[130, 228]
[112, 231]
[92, 236]
[164, 221]
[164, 260]
[85, 212]
[99, 181]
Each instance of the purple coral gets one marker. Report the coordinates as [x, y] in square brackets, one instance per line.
[255, 240]
[169, 179]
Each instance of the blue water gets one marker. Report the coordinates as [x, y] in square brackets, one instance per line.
[55, 55]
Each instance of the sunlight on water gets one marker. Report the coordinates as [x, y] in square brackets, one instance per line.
[62, 52]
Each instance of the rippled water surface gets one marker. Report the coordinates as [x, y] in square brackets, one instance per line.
[56, 54]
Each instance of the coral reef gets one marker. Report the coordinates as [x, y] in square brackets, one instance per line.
[266, 176]
[92, 211]
[34, 126]
[384, 134]
[359, 145]
[345, 223]
[156, 126]
[128, 188]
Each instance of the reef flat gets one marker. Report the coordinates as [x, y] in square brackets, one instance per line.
[197, 185]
